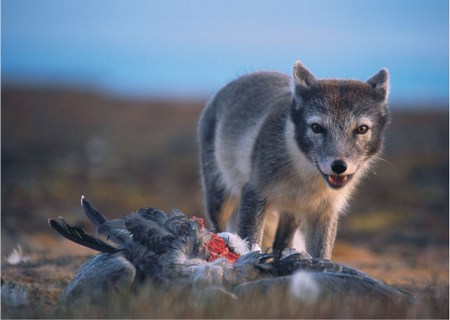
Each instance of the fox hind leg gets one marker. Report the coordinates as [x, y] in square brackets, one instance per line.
[213, 189]
[219, 204]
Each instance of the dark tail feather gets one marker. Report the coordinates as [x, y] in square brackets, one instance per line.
[96, 217]
[78, 235]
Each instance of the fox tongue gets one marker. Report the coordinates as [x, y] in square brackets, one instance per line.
[337, 181]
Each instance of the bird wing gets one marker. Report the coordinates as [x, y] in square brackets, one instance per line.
[334, 277]
[114, 229]
[93, 214]
[78, 235]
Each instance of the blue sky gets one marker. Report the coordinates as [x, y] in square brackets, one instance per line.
[192, 48]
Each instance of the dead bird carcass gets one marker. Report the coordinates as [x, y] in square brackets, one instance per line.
[172, 251]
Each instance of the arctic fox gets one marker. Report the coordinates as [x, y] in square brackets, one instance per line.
[282, 155]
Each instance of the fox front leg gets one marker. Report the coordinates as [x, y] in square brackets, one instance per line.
[287, 226]
[251, 215]
[320, 236]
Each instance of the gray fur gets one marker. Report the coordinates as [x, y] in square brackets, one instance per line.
[259, 152]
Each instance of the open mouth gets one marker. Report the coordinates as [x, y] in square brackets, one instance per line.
[337, 182]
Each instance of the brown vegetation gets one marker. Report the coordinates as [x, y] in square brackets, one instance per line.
[125, 154]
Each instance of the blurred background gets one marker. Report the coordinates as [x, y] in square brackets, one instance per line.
[102, 98]
[189, 49]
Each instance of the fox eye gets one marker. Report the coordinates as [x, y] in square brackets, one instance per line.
[317, 128]
[362, 129]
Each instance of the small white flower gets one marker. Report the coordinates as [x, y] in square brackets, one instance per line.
[16, 256]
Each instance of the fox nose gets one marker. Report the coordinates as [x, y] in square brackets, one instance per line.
[338, 166]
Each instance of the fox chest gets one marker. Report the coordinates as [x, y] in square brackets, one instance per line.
[308, 197]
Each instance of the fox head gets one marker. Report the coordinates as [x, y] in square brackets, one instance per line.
[339, 124]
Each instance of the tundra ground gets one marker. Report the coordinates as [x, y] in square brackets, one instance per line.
[128, 154]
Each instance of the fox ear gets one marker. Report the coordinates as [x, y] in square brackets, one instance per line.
[303, 78]
[380, 83]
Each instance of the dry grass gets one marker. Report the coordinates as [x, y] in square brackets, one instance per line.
[45, 279]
